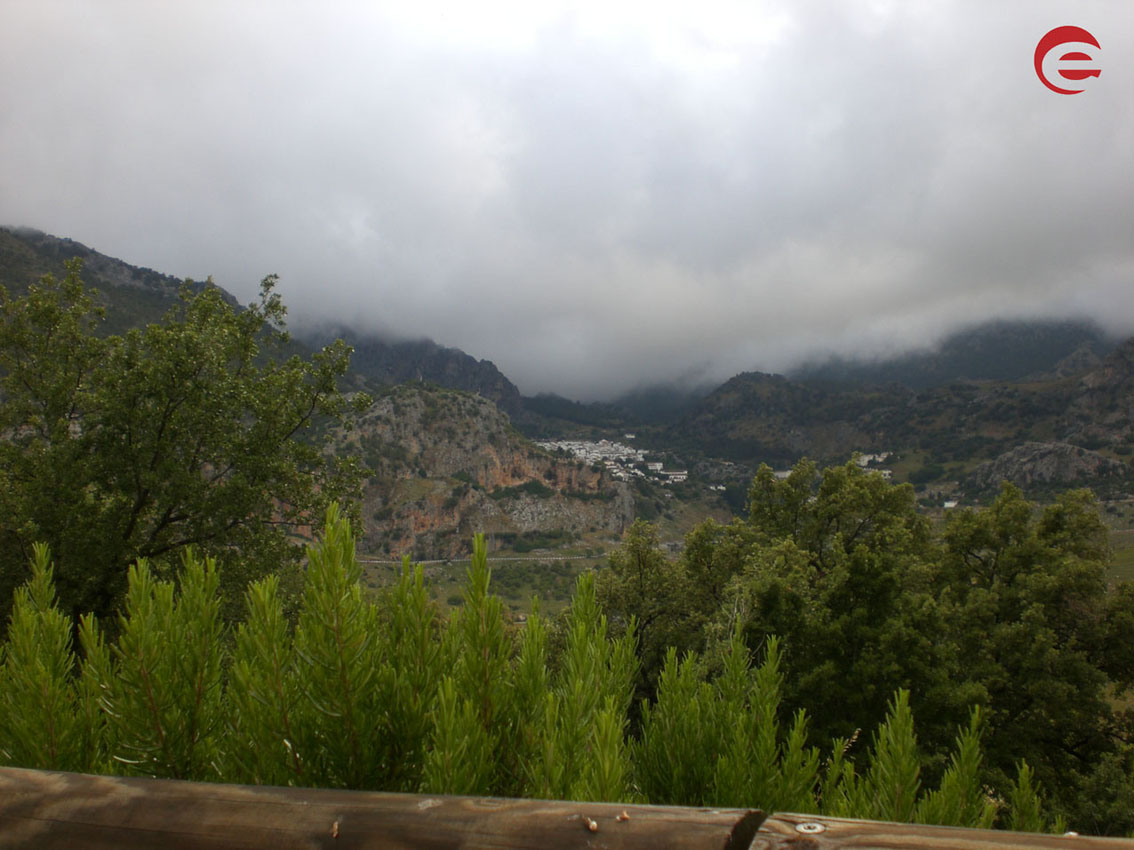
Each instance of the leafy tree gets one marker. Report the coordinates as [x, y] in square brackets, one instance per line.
[1027, 605]
[1006, 610]
[714, 554]
[840, 568]
[643, 587]
[180, 434]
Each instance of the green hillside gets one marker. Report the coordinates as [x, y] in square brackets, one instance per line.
[132, 295]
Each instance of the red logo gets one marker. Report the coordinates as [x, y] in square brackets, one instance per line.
[1079, 62]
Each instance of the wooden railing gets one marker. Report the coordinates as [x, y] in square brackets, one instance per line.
[43, 809]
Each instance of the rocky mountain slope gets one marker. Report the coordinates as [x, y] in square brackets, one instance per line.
[448, 464]
[759, 418]
[1034, 466]
[755, 417]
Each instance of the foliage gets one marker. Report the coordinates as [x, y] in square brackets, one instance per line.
[1003, 612]
[529, 488]
[337, 659]
[265, 694]
[474, 697]
[39, 726]
[380, 693]
[585, 710]
[837, 564]
[642, 587]
[714, 555]
[162, 698]
[721, 743]
[180, 434]
[1026, 604]
[960, 799]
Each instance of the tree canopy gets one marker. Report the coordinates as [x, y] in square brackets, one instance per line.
[185, 433]
[1026, 604]
[1003, 609]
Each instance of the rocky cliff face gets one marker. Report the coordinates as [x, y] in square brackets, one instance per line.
[1103, 408]
[1048, 464]
[448, 464]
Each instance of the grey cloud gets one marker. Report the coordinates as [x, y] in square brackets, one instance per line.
[594, 205]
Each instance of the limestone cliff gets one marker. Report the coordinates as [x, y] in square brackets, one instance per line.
[447, 464]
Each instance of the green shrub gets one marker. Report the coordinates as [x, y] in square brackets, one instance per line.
[383, 693]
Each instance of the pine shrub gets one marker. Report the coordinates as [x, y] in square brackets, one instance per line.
[380, 692]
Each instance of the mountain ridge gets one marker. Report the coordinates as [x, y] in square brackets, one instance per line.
[983, 392]
[386, 363]
[132, 295]
[998, 350]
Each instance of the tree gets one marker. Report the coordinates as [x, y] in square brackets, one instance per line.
[183, 434]
[1005, 611]
[840, 569]
[1027, 605]
[644, 590]
[714, 554]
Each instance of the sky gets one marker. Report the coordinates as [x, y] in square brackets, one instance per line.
[596, 196]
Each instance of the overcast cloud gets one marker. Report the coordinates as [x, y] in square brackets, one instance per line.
[595, 196]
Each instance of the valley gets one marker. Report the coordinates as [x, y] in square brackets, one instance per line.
[452, 447]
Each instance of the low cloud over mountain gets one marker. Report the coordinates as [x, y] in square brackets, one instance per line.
[592, 196]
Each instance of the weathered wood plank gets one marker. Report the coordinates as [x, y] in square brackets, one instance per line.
[65, 810]
[48, 810]
[807, 832]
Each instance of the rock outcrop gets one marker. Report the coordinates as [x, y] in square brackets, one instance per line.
[1048, 464]
[448, 464]
[1103, 408]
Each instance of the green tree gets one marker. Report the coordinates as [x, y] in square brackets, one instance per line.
[714, 554]
[642, 586]
[181, 434]
[39, 724]
[163, 697]
[474, 714]
[1027, 605]
[840, 568]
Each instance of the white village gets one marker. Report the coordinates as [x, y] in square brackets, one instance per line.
[622, 461]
